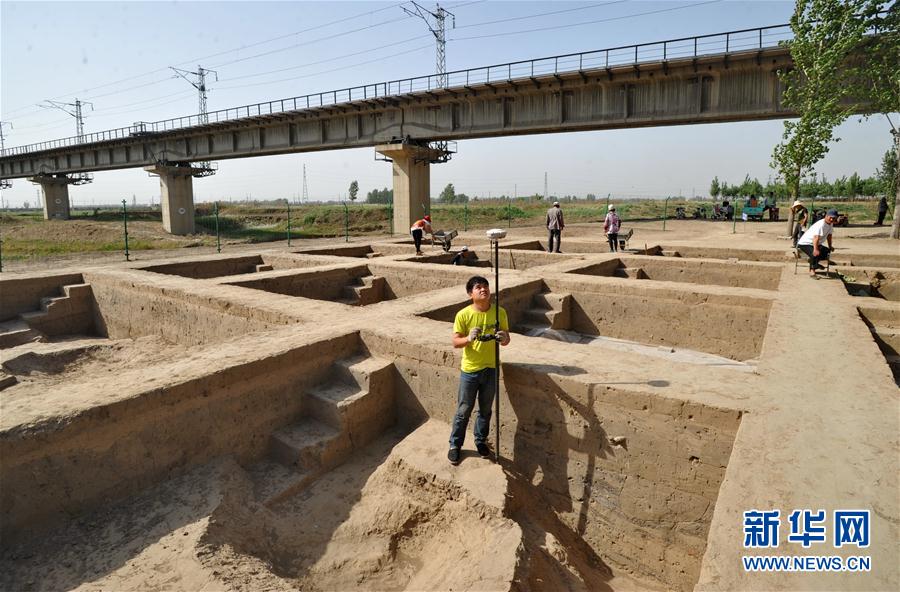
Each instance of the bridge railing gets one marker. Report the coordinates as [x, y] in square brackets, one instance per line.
[642, 53]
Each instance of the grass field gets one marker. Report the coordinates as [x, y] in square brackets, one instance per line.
[26, 235]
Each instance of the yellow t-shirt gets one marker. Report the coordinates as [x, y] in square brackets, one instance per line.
[480, 354]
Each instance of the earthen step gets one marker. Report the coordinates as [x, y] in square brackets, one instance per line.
[77, 290]
[361, 368]
[273, 482]
[325, 402]
[309, 445]
[552, 300]
[48, 301]
[263, 267]
[372, 255]
[539, 316]
[17, 332]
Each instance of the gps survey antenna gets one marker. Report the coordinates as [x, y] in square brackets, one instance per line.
[495, 234]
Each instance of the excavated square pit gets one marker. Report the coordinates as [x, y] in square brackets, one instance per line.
[731, 327]
[359, 285]
[714, 273]
[509, 259]
[221, 267]
[884, 323]
[884, 285]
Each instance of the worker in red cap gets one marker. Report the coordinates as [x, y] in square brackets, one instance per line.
[420, 227]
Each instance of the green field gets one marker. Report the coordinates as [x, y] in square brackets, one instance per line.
[25, 235]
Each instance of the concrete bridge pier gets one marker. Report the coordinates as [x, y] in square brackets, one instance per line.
[56, 195]
[176, 187]
[412, 181]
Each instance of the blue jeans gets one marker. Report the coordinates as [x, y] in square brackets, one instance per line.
[472, 384]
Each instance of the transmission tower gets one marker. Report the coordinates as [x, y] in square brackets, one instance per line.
[436, 26]
[73, 109]
[305, 197]
[206, 168]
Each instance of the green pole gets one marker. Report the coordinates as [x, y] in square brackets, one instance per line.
[607, 202]
[665, 212]
[391, 216]
[218, 241]
[346, 222]
[125, 222]
[734, 220]
[466, 216]
[508, 213]
[289, 221]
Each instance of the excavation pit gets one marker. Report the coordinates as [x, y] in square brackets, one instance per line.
[741, 275]
[730, 327]
[359, 285]
[872, 283]
[221, 267]
[884, 323]
[202, 433]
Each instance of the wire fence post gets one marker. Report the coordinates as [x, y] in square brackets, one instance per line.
[665, 211]
[508, 212]
[218, 241]
[289, 222]
[466, 216]
[125, 223]
[346, 222]
[391, 216]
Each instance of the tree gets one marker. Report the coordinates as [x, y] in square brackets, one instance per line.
[714, 188]
[380, 196]
[839, 67]
[354, 190]
[448, 195]
[888, 176]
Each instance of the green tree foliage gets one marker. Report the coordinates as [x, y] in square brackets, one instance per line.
[715, 189]
[826, 34]
[448, 195]
[354, 190]
[380, 196]
[888, 175]
[846, 56]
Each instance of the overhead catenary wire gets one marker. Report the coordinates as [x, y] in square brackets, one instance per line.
[584, 23]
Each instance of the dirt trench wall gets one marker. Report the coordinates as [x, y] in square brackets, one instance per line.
[327, 284]
[733, 327]
[635, 475]
[109, 452]
[20, 295]
[205, 269]
[123, 309]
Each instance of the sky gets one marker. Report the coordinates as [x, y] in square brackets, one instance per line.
[116, 56]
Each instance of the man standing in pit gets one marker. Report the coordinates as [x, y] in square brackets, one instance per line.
[474, 333]
[417, 229]
[811, 241]
[555, 225]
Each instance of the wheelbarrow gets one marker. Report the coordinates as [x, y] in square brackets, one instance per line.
[443, 238]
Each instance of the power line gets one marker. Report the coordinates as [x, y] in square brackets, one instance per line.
[583, 23]
[356, 65]
[531, 16]
[334, 59]
[310, 42]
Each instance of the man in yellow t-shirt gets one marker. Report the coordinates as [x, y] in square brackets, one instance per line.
[474, 333]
